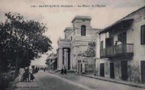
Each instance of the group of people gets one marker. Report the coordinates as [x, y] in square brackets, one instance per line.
[27, 76]
[63, 71]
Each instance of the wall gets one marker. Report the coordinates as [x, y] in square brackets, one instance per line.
[133, 36]
[79, 43]
[102, 38]
[139, 50]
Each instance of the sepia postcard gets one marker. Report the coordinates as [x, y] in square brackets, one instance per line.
[72, 44]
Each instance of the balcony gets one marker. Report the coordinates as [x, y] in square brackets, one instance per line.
[125, 50]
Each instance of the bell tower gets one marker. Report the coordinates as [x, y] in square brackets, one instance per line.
[81, 25]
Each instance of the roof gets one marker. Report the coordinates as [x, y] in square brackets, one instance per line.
[68, 29]
[134, 12]
[120, 20]
[52, 56]
[116, 23]
[81, 17]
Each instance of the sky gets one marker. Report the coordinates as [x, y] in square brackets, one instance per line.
[104, 13]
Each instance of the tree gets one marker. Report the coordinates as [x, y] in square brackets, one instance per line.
[22, 40]
[90, 54]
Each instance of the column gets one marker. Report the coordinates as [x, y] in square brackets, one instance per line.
[76, 58]
[71, 58]
[83, 66]
[66, 59]
[60, 59]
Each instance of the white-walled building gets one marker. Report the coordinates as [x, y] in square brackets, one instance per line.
[125, 60]
[75, 42]
[51, 61]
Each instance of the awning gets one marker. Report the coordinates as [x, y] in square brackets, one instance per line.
[52, 56]
[122, 21]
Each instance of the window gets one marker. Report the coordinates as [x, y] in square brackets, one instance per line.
[109, 42]
[142, 34]
[122, 37]
[101, 45]
[83, 30]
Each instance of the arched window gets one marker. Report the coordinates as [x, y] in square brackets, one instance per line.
[83, 30]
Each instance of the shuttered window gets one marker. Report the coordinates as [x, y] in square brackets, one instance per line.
[142, 34]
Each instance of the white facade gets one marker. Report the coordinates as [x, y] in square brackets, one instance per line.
[76, 42]
[134, 52]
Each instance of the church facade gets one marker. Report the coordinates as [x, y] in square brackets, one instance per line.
[75, 42]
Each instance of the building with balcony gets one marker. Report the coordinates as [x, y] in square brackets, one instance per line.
[75, 42]
[121, 48]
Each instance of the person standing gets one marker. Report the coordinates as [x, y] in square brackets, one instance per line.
[65, 71]
[31, 77]
[27, 74]
[44, 69]
[62, 71]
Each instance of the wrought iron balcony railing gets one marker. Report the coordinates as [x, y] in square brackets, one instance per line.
[117, 50]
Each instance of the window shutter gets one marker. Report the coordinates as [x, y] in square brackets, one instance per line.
[142, 34]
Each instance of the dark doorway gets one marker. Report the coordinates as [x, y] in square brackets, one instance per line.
[124, 73]
[112, 70]
[102, 69]
[69, 59]
[143, 71]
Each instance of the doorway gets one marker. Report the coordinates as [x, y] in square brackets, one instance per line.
[112, 70]
[102, 69]
[143, 71]
[124, 70]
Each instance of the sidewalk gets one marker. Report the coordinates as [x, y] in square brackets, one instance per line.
[103, 79]
[117, 81]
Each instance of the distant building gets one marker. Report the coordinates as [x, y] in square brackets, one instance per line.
[51, 61]
[75, 42]
[124, 61]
